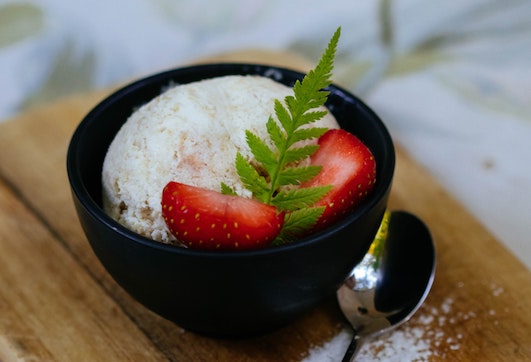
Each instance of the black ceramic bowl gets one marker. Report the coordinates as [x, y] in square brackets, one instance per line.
[224, 294]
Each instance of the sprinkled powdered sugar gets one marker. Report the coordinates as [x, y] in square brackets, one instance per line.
[415, 341]
[423, 337]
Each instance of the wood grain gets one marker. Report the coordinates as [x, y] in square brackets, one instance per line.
[51, 309]
[58, 303]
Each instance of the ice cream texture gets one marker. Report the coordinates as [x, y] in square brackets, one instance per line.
[190, 134]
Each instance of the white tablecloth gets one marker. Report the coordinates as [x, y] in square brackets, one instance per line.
[451, 78]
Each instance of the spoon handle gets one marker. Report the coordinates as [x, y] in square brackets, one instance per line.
[352, 350]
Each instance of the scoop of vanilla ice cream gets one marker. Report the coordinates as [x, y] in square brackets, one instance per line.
[189, 134]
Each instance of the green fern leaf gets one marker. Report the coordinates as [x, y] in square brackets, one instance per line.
[295, 199]
[297, 175]
[274, 171]
[297, 223]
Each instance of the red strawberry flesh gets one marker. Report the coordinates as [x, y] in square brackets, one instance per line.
[349, 166]
[206, 219]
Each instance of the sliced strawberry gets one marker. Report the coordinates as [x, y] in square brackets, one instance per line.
[206, 219]
[349, 166]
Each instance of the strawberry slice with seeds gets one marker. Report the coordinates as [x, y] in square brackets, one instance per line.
[206, 219]
[349, 166]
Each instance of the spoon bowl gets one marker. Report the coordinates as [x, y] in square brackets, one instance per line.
[392, 281]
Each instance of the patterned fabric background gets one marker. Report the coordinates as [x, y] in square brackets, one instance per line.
[451, 78]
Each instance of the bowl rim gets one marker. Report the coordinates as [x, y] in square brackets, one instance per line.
[83, 196]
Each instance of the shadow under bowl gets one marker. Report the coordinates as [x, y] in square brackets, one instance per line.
[224, 294]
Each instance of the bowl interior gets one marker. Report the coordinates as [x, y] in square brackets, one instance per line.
[91, 140]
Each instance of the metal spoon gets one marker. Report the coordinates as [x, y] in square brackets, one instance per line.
[391, 282]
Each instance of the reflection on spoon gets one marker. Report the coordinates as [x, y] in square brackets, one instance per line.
[392, 281]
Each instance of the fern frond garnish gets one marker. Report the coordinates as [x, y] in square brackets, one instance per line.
[274, 171]
[298, 222]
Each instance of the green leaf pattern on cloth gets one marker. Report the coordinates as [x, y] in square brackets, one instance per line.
[18, 22]
[451, 78]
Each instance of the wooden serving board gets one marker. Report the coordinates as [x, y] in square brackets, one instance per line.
[58, 303]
